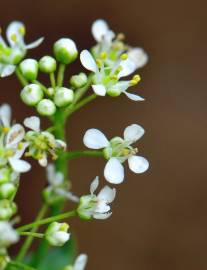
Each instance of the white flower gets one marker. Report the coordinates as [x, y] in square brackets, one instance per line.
[79, 264]
[96, 206]
[57, 234]
[41, 142]
[5, 115]
[8, 235]
[12, 54]
[117, 151]
[106, 78]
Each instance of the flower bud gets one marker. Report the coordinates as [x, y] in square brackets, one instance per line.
[114, 92]
[7, 209]
[8, 235]
[57, 234]
[4, 175]
[47, 64]
[31, 94]
[7, 190]
[29, 68]
[50, 91]
[65, 50]
[78, 81]
[46, 107]
[63, 96]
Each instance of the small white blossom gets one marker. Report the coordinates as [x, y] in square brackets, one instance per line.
[117, 151]
[41, 143]
[8, 235]
[79, 264]
[96, 206]
[13, 52]
[57, 234]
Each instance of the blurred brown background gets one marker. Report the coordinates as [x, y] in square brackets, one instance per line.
[160, 217]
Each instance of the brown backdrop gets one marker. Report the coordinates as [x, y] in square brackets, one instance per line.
[160, 218]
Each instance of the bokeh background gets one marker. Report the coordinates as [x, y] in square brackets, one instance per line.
[160, 217]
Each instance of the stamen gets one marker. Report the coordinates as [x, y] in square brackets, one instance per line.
[14, 38]
[5, 129]
[22, 30]
[124, 56]
[103, 55]
[120, 36]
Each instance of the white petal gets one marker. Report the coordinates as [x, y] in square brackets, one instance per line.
[138, 56]
[19, 165]
[107, 194]
[133, 133]
[6, 70]
[114, 171]
[94, 185]
[15, 135]
[99, 29]
[133, 96]
[121, 85]
[80, 262]
[32, 122]
[43, 161]
[138, 164]
[34, 44]
[95, 139]
[99, 89]
[61, 144]
[128, 67]
[88, 61]
[102, 215]
[102, 207]
[19, 152]
[14, 28]
[5, 114]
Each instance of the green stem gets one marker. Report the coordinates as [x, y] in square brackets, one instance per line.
[20, 265]
[21, 78]
[80, 104]
[46, 221]
[80, 92]
[52, 80]
[76, 154]
[60, 76]
[30, 237]
[38, 235]
[44, 88]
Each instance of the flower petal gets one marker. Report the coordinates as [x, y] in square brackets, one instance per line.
[114, 171]
[15, 135]
[43, 160]
[19, 165]
[80, 262]
[6, 70]
[138, 56]
[5, 114]
[14, 33]
[133, 133]
[133, 96]
[32, 122]
[138, 164]
[99, 89]
[99, 29]
[95, 139]
[94, 185]
[107, 194]
[88, 61]
[102, 215]
[34, 44]
[128, 67]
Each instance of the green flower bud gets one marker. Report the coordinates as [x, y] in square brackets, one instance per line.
[31, 94]
[4, 175]
[7, 209]
[7, 190]
[65, 50]
[47, 64]
[29, 68]
[79, 80]
[63, 96]
[50, 91]
[57, 234]
[46, 107]
[114, 92]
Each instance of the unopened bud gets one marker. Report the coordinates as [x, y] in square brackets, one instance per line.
[63, 96]
[46, 107]
[65, 50]
[7, 209]
[79, 80]
[31, 94]
[47, 64]
[57, 234]
[29, 68]
[7, 190]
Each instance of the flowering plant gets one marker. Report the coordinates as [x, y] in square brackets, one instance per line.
[109, 61]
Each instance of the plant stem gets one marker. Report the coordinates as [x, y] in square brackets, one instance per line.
[60, 76]
[21, 78]
[76, 154]
[80, 104]
[38, 235]
[52, 80]
[80, 92]
[44, 88]
[46, 221]
[29, 239]
[20, 265]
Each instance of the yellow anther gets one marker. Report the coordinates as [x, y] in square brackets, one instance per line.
[124, 56]
[133, 82]
[5, 129]
[27, 154]
[103, 55]
[98, 62]
[9, 153]
[20, 146]
[120, 36]
[14, 37]
[113, 77]
[137, 78]
[0, 30]
[22, 30]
